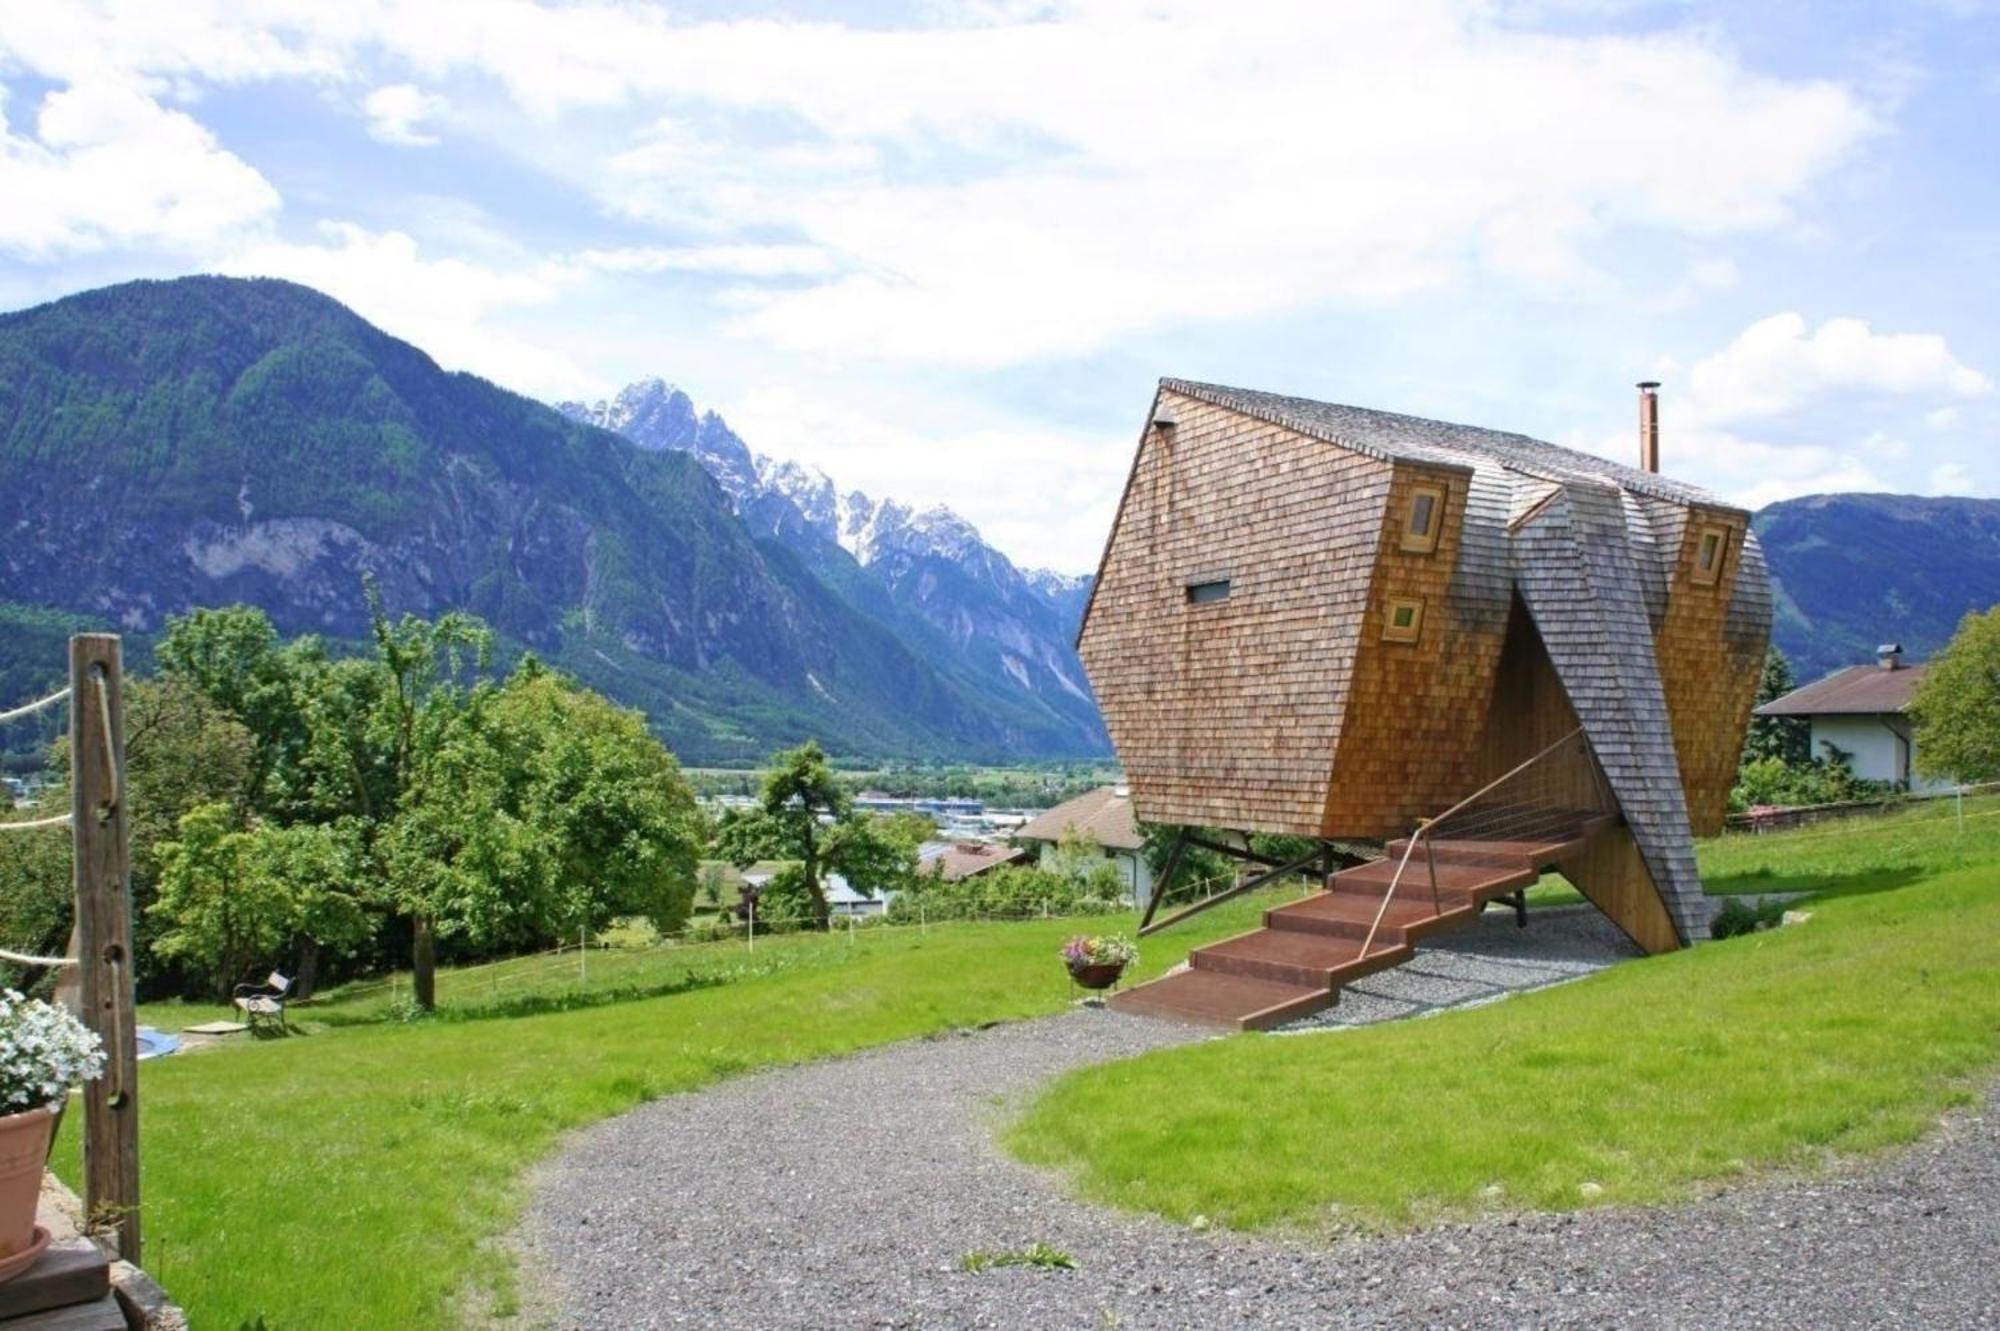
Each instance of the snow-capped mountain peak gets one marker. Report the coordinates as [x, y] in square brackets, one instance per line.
[939, 578]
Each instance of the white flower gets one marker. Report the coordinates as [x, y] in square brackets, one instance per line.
[44, 1051]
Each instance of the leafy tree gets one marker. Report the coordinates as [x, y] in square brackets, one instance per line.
[745, 837]
[232, 656]
[223, 918]
[322, 872]
[1956, 711]
[1076, 854]
[37, 899]
[388, 747]
[805, 816]
[618, 822]
[869, 855]
[799, 791]
[1783, 738]
[182, 750]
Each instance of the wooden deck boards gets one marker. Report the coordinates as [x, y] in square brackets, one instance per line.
[1296, 964]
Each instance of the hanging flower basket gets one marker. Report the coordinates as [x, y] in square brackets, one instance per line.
[44, 1053]
[1095, 961]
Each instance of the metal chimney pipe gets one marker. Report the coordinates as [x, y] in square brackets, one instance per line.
[1649, 425]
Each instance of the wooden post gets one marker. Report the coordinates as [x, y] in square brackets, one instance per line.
[104, 934]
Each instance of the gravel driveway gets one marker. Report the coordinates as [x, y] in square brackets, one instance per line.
[845, 1193]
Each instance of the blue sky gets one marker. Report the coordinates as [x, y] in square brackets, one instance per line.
[944, 250]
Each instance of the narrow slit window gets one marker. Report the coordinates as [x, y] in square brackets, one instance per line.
[1426, 516]
[1403, 619]
[1207, 591]
[1711, 549]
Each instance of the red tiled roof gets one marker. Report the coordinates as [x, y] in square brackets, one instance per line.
[1862, 690]
[1104, 814]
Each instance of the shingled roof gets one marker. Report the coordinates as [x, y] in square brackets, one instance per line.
[1393, 438]
[1104, 815]
[1861, 690]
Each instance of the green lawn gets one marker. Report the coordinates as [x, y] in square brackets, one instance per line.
[355, 1176]
[1847, 1033]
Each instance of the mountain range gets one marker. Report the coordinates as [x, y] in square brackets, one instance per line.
[926, 574]
[206, 440]
[1857, 570]
[210, 440]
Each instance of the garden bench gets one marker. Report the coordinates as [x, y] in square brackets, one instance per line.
[263, 1002]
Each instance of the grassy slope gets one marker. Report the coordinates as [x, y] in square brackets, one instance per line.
[348, 1178]
[1847, 1033]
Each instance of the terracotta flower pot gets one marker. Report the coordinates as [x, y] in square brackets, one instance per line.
[1101, 975]
[24, 1148]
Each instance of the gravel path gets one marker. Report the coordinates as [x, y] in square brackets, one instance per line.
[844, 1193]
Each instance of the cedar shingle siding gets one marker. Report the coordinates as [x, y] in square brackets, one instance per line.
[1295, 705]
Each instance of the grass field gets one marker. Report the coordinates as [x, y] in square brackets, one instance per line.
[354, 1177]
[1652, 1080]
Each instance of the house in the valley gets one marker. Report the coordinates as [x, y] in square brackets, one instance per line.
[1860, 712]
[1103, 817]
[841, 898]
[956, 861]
[1495, 655]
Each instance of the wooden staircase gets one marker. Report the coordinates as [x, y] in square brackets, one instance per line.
[1296, 964]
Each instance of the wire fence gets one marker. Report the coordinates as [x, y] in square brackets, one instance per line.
[1772, 819]
[620, 963]
[38, 824]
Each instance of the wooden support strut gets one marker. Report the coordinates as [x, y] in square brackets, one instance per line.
[1223, 848]
[1318, 856]
[101, 829]
[1166, 877]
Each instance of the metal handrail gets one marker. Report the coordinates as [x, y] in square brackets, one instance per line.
[1426, 826]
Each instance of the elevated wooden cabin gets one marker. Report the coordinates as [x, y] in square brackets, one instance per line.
[1331, 622]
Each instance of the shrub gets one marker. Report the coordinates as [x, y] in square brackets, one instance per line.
[1742, 916]
[1010, 892]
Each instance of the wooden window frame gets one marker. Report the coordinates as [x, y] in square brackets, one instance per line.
[1202, 589]
[1410, 632]
[1412, 541]
[1708, 574]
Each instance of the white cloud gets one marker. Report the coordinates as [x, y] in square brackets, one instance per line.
[1009, 182]
[1113, 170]
[752, 261]
[1785, 409]
[107, 166]
[1776, 366]
[1715, 274]
[1951, 478]
[397, 113]
[450, 308]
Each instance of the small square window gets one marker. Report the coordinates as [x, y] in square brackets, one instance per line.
[1711, 550]
[1208, 591]
[1424, 519]
[1402, 619]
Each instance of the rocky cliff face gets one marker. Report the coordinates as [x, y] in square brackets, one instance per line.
[927, 574]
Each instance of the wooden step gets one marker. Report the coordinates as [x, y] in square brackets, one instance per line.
[1289, 956]
[1307, 950]
[1347, 915]
[1453, 879]
[1234, 1002]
